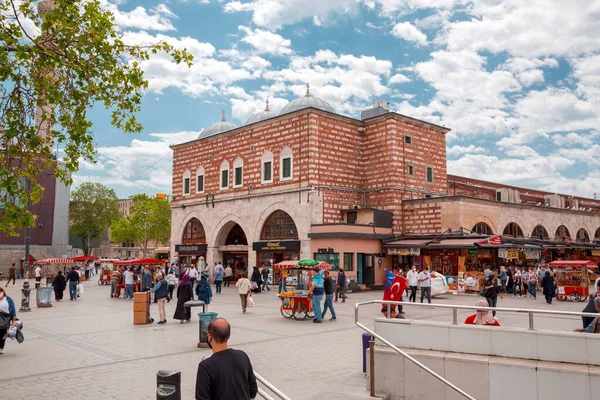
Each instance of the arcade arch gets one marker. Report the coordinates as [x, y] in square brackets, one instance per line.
[513, 229]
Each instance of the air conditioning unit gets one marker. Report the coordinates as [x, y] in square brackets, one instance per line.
[572, 203]
[554, 200]
[508, 195]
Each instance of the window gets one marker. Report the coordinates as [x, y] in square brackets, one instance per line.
[267, 167]
[481, 228]
[498, 196]
[411, 170]
[200, 180]
[408, 139]
[238, 172]
[279, 226]
[193, 232]
[224, 175]
[285, 164]
[186, 183]
[513, 230]
[351, 217]
[331, 258]
[430, 174]
[348, 261]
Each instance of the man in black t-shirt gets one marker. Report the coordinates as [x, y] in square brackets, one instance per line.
[227, 374]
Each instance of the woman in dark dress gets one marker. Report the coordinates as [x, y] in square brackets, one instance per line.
[59, 284]
[548, 287]
[184, 293]
[256, 277]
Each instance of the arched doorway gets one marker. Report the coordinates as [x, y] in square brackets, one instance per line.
[582, 236]
[513, 230]
[279, 241]
[193, 242]
[233, 248]
[539, 232]
[562, 233]
[481, 228]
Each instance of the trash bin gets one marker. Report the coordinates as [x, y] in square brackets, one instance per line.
[205, 318]
[168, 385]
[366, 343]
[44, 297]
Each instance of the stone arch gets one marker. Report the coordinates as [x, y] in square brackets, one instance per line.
[597, 235]
[221, 230]
[540, 232]
[279, 226]
[193, 232]
[513, 229]
[302, 232]
[582, 236]
[482, 228]
[485, 220]
[184, 221]
[562, 233]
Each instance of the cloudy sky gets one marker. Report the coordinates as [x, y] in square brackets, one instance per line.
[518, 82]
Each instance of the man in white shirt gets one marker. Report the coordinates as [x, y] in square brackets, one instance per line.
[193, 273]
[425, 282]
[38, 276]
[413, 281]
[129, 283]
[228, 275]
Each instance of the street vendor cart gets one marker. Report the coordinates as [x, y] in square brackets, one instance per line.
[571, 278]
[295, 302]
[107, 266]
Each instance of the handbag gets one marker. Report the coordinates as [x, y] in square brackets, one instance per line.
[250, 301]
[5, 320]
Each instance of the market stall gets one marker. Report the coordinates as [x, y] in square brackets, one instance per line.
[572, 279]
[107, 266]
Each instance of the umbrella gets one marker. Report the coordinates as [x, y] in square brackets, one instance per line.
[308, 263]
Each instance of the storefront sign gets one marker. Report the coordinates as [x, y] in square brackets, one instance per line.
[289, 245]
[326, 250]
[472, 251]
[404, 252]
[493, 240]
[190, 248]
[532, 254]
[502, 253]
[513, 254]
[596, 253]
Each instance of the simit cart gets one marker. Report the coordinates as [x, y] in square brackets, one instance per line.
[571, 278]
[298, 274]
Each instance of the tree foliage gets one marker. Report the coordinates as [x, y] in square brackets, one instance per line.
[149, 219]
[94, 207]
[57, 60]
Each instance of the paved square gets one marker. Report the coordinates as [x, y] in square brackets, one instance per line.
[90, 349]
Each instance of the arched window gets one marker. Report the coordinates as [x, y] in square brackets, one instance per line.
[193, 233]
[266, 173]
[513, 230]
[186, 183]
[224, 175]
[582, 236]
[597, 235]
[286, 164]
[562, 233]
[279, 226]
[236, 236]
[482, 228]
[539, 232]
[238, 172]
[200, 180]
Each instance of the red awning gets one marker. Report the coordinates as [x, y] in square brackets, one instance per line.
[468, 243]
[142, 261]
[294, 265]
[573, 263]
[54, 261]
[82, 258]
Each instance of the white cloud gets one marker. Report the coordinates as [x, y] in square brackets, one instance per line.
[576, 139]
[460, 150]
[157, 19]
[528, 78]
[266, 42]
[398, 79]
[410, 33]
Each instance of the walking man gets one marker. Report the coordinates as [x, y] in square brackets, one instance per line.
[492, 292]
[115, 280]
[38, 276]
[532, 280]
[12, 274]
[227, 373]
[413, 280]
[193, 276]
[341, 286]
[244, 289]
[129, 283]
[425, 282]
[228, 275]
[161, 290]
[316, 291]
[73, 279]
[265, 278]
[328, 288]
[219, 276]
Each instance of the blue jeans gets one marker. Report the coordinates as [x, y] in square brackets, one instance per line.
[218, 285]
[72, 289]
[316, 303]
[129, 291]
[328, 304]
[532, 289]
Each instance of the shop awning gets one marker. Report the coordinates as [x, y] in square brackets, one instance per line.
[466, 243]
[407, 244]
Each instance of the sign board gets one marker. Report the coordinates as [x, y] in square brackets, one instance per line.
[497, 240]
[472, 251]
[513, 254]
[532, 254]
[596, 253]
[190, 248]
[404, 252]
[502, 253]
[287, 245]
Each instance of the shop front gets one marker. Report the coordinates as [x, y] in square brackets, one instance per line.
[190, 253]
[271, 252]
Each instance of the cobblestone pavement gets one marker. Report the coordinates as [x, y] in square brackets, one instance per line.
[90, 349]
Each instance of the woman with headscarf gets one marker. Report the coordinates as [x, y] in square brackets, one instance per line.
[548, 286]
[184, 293]
[482, 317]
[59, 284]
[204, 291]
[256, 279]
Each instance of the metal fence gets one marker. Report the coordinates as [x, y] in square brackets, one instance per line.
[271, 392]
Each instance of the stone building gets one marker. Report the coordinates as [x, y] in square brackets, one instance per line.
[311, 183]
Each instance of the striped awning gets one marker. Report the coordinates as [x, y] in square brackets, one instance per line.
[54, 261]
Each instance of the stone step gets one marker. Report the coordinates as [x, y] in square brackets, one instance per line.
[344, 396]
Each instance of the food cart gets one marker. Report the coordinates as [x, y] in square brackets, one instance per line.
[295, 302]
[571, 277]
[51, 266]
[82, 262]
[107, 266]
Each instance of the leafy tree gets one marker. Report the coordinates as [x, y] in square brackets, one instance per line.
[57, 60]
[94, 207]
[149, 219]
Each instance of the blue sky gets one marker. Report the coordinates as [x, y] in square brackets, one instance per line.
[518, 82]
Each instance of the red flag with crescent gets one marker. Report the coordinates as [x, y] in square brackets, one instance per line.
[395, 289]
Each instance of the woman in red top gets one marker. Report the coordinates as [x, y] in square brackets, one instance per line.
[482, 317]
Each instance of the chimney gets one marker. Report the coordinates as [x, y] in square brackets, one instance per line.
[380, 107]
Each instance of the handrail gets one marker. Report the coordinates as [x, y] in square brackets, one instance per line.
[455, 309]
[278, 393]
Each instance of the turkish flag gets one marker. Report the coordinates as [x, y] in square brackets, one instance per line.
[395, 289]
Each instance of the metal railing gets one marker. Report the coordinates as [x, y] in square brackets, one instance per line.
[272, 388]
[455, 309]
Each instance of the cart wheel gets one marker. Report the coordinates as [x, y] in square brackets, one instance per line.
[561, 298]
[300, 311]
[575, 296]
[286, 313]
[100, 282]
[310, 314]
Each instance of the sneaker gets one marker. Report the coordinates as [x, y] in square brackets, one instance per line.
[333, 319]
[161, 322]
[335, 301]
[1, 351]
[317, 321]
[151, 320]
[343, 301]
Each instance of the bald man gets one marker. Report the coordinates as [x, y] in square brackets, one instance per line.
[227, 373]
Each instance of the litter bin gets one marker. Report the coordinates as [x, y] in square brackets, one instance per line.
[44, 297]
[366, 343]
[205, 318]
[168, 385]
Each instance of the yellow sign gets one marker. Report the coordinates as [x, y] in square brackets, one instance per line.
[284, 273]
[513, 254]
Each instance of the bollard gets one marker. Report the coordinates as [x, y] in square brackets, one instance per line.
[366, 339]
[25, 299]
[168, 385]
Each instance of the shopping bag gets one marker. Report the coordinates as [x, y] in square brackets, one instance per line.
[80, 290]
[250, 301]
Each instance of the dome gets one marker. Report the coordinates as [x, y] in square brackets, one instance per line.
[261, 116]
[218, 127]
[306, 101]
